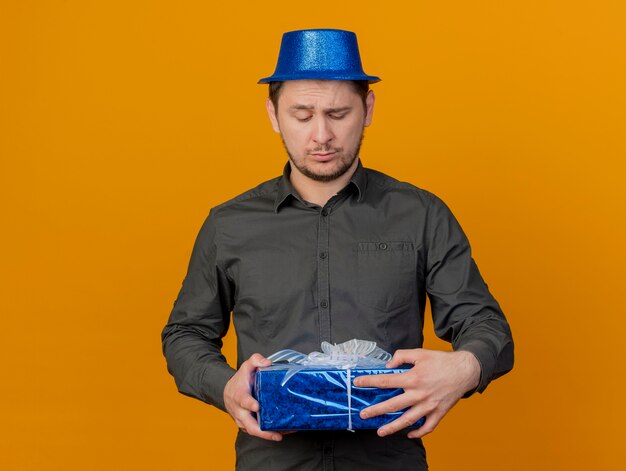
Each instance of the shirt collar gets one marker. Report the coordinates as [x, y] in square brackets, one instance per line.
[285, 188]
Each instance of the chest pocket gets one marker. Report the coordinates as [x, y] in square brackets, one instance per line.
[386, 274]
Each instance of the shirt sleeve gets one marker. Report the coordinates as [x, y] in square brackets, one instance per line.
[464, 311]
[192, 337]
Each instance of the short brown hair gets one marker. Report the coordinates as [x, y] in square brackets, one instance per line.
[361, 87]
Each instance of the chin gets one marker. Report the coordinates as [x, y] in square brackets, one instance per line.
[328, 175]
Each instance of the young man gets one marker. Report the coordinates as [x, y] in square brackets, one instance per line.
[332, 251]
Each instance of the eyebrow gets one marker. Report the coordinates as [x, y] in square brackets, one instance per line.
[327, 110]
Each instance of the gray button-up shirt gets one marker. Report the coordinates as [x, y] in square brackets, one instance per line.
[294, 274]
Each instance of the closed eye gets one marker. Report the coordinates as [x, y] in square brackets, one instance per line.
[338, 113]
[303, 117]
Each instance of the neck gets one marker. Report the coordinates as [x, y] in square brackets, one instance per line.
[317, 192]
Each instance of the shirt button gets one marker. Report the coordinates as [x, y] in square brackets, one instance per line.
[382, 246]
[324, 212]
[322, 255]
[324, 304]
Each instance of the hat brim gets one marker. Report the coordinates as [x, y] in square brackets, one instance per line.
[319, 76]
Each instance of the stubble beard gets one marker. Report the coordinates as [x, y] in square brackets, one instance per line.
[345, 162]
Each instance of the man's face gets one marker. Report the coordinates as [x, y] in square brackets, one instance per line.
[321, 123]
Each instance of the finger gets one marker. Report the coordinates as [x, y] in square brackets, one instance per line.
[432, 421]
[405, 420]
[249, 403]
[384, 380]
[401, 357]
[390, 405]
[251, 427]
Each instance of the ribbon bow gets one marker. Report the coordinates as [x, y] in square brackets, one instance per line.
[351, 354]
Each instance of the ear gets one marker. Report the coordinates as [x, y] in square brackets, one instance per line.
[369, 107]
[271, 113]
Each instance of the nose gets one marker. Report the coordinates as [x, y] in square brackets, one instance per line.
[322, 132]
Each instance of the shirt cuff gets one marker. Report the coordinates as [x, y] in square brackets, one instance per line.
[213, 383]
[485, 359]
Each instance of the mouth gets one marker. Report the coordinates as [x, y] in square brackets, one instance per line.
[323, 156]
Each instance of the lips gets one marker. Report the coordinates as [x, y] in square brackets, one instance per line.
[323, 156]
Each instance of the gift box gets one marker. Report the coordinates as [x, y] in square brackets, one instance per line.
[317, 391]
[320, 399]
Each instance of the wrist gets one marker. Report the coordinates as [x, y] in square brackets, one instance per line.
[471, 370]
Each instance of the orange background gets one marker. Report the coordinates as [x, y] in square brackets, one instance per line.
[122, 123]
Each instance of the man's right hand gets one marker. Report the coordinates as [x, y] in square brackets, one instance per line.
[239, 401]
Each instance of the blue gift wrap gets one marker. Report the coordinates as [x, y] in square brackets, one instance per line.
[320, 398]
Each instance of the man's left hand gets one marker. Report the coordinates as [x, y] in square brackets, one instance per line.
[434, 384]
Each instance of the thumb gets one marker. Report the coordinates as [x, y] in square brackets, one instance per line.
[258, 361]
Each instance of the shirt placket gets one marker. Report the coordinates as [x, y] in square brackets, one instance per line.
[323, 276]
